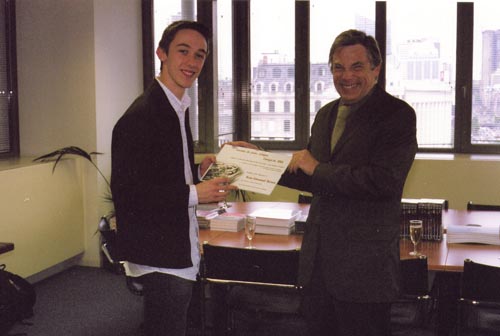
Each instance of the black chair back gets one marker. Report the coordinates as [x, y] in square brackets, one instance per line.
[480, 282]
[240, 265]
[414, 312]
[304, 199]
[414, 277]
[479, 304]
[482, 207]
[256, 290]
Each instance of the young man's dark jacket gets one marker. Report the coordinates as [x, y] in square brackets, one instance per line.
[149, 190]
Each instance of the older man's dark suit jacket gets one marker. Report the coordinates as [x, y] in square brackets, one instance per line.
[149, 189]
[354, 218]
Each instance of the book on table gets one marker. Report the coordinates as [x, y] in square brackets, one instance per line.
[474, 233]
[233, 222]
[275, 220]
[276, 216]
[274, 230]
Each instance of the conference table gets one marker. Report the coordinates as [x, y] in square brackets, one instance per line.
[441, 256]
[445, 260]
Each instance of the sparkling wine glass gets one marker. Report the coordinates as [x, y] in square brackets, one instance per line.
[250, 230]
[415, 235]
[223, 173]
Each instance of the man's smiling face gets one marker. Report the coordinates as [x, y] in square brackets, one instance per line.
[183, 63]
[353, 74]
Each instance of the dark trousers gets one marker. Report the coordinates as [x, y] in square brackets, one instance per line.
[166, 303]
[326, 315]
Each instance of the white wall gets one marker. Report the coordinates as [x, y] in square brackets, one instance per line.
[79, 67]
[42, 214]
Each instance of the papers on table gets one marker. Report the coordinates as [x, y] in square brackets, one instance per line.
[474, 233]
[275, 220]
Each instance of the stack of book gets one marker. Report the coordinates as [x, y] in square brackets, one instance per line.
[275, 220]
[204, 212]
[203, 222]
[233, 222]
[474, 233]
[430, 211]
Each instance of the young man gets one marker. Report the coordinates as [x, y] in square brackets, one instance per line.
[155, 182]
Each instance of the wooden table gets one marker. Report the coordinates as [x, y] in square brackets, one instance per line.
[441, 256]
[481, 253]
[445, 260]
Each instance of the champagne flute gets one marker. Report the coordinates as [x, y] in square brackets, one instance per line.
[415, 235]
[250, 222]
[223, 173]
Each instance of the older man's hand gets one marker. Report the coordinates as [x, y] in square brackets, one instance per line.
[303, 160]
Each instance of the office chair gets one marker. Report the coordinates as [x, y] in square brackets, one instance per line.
[108, 247]
[304, 199]
[413, 312]
[482, 207]
[259, 289]
[479, 303]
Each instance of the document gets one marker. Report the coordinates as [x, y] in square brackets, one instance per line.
[249, 169]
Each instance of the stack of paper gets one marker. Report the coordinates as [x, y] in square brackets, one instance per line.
[228, 222]
[474, 233]
[275, 220]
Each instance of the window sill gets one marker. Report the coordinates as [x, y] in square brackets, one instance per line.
[14, 163]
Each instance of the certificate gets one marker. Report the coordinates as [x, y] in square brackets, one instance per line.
[249, 169]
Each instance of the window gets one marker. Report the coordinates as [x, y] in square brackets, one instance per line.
[226, 124]
[286, 106]
[356, 14]
[485, 124]
[286, 126]
[256, 105]
[317, 105]
[276, 73]
[319, 87]
[409, 53]
[271, 51]
[9, 135]
[271, 106]
[456, 96]
[164, 14]
[258, 88]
